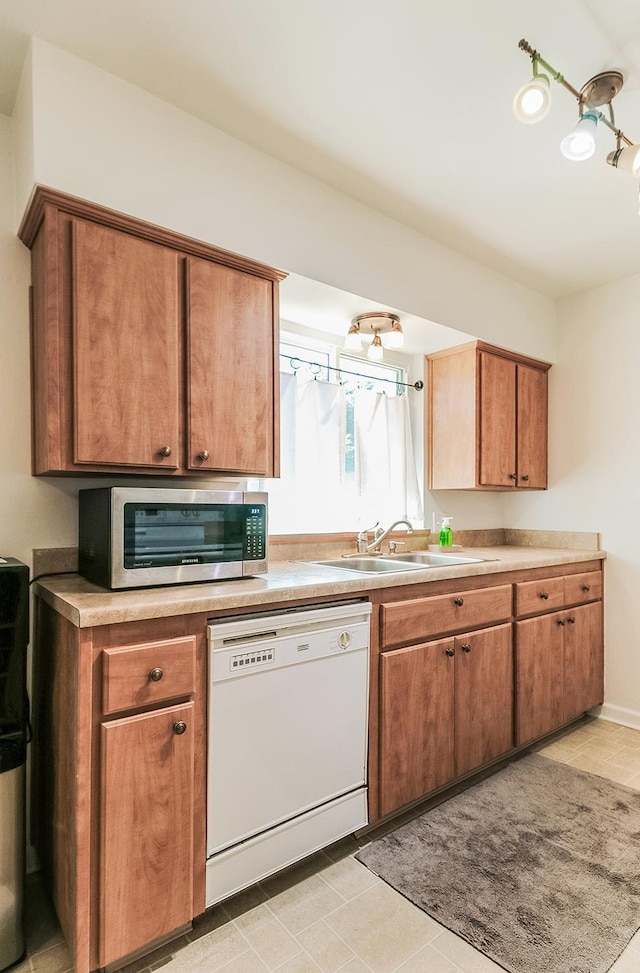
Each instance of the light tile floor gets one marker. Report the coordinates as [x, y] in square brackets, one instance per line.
[330, 914]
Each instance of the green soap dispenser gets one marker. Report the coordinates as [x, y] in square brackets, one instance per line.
[446, 533]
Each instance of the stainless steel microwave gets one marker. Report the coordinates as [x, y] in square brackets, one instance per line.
[133, 537]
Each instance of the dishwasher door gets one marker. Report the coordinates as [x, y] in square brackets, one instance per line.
[288, 714]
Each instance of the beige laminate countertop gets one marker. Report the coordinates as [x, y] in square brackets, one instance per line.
[85, 604]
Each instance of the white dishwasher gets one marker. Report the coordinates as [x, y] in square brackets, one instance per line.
[287, 739]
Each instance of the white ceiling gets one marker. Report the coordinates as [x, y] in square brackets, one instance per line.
[403, 104]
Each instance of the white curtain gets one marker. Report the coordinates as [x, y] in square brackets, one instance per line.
[309, 494]
[314, 494]
[385, 471]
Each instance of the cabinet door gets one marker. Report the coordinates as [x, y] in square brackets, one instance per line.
[583, 659]
[539, 676]
[497, 446]
[416, 722]
[532, 428]
[231, 386]
[484, 697]
[126, 349]
[146, 834]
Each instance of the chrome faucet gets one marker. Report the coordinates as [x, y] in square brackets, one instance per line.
[379, 535]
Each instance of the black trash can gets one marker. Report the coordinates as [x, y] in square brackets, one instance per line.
[14, 736]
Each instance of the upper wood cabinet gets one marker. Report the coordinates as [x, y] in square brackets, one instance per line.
[487, 423]
[151, 352]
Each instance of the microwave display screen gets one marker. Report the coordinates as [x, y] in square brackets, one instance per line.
[173, 534]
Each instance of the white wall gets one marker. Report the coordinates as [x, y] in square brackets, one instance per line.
[594, 465]
[105, 140]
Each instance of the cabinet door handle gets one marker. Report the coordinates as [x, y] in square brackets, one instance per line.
[513, 476]
[525, 477]
[156, 674]
[179, 728]
[450, 652]
[165, 450]
[586, 587]
[544, 594]
[466, 647]
[561, 621]
[571, 620]
[203, 455]
[458, 601]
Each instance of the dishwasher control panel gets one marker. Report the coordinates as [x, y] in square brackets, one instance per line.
[244, 646]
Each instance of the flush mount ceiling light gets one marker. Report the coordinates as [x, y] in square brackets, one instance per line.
[375, 323]
[533, 100]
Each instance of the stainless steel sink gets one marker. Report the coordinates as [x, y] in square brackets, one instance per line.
[369, 563]
[388, 563]
[436, 560]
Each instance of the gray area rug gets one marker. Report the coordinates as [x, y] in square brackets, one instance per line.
[538, 867]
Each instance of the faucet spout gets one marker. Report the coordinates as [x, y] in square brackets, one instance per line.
[381, 535]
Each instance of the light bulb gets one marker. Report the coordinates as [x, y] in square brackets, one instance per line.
[375, 351]
[580, 144]
[395, 338]
[353, 340]
[533, 100]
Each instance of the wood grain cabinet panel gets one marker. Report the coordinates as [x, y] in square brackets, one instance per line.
[126, 336]
[146, 842]
[230, 368]
[487, 419]
[422, 618]
[446, 707]
[417, 720]
[560, 661]
[140, 675]
[151, 352]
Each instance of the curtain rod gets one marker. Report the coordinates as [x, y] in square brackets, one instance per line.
[418, 386]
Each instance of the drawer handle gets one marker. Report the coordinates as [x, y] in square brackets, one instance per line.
[203, 455]
[560, 621]
[155, 675]
[179, 728]
[525, 477]
[586, 587]
[571, 620]
[458, 601]
[544, 594]
[450, 652]
[513, 476]
[165, 450]
[466, 647]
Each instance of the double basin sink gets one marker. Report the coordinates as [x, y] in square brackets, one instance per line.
[388, 563]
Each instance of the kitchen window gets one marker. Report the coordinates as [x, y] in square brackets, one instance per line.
[347, 456]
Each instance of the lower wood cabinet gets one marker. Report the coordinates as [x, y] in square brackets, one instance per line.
[146, 834]
[445, 709]
[559, 669]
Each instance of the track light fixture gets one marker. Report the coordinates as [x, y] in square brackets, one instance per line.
[375, 323]
[533, 100]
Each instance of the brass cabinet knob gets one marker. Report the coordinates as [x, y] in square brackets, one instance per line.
[458, 601]
[450, 652]
[165, 450]
[571, 620]
[179, 728]
[524, 477]
[513, 476]
[586, 587]
[561, 621]
[156, 674]
[203, 455]
[544, 594]
[466, 647]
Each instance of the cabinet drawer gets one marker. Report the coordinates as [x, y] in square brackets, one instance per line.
[538, 596]
[150, 672]
[424, 618]
[582, 587]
